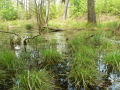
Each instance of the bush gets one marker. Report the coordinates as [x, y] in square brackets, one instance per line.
[55, 11]
[9, 13]
[79, 7]
[28, 26]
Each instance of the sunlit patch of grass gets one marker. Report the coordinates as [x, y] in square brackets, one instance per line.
[68, 24]
[76, 24]
[34, 80]
[113, 58]
[109, 25]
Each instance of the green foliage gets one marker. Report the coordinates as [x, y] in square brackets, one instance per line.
[28, 26]
[79, 7]
[34, 80]
[56, 11]
[108, 6]
[83, 66]
[113, 58]
[7, 10]
[9, 13]
[8, 60]
[51, 56]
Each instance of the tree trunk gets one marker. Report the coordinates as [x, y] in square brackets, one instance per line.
[39, 11]
[47, 12]
[91, 12]
[66, 9]
[18, 9]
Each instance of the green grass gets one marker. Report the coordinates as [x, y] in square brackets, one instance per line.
[34, 80]
[8, 60]
[83, 66]
[51, 57]
[113, 58]
[78, 24]
[85, 47]
[68, 24]
[108, 25]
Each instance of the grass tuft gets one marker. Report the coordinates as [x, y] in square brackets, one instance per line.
[34, 80]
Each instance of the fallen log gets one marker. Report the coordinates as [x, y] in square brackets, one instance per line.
[52, 29]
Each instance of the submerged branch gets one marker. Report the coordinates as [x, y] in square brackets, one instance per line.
[25, 40]
[32, 37]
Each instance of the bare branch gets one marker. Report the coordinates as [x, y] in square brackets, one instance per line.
[9, 33]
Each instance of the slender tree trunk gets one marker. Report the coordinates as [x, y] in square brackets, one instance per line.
[39, 14]
[18, 8]
[29, 8]
[47, 12]
[91, 12]
[66, 9]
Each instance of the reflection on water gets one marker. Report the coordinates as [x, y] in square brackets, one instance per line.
[61, 42]
[113, 76]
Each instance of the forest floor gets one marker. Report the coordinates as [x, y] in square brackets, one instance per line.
[104, 22]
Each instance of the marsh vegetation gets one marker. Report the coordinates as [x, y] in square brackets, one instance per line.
[59, 45]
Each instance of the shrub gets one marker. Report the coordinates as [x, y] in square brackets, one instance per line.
[56, 11]
[9, 13]
[28, 26]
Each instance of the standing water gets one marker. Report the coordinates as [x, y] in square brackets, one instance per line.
[112, 75]
[62, 69]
